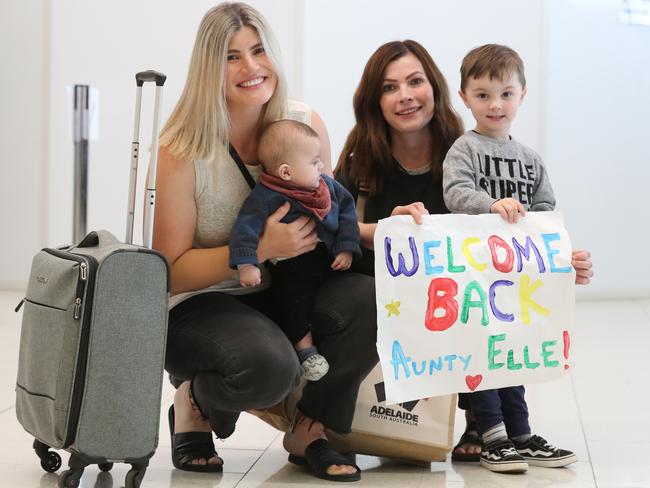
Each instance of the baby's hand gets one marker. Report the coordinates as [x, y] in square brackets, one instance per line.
[249, 275]
[342, 261]
[509, 208]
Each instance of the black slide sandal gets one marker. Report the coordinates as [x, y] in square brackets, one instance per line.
[319, 455]
[470, 436]
[188, 446]
[301, 461]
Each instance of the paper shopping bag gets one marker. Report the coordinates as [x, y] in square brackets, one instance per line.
[420, 430]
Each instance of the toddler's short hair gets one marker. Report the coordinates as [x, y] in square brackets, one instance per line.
[498, 61]
[277, 140]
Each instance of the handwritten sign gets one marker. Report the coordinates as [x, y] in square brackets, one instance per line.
[469, 303]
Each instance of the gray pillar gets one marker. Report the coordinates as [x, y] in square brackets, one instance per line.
[80, 163]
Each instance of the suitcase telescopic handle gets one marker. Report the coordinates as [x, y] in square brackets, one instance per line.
[150, 75]
[150, 196]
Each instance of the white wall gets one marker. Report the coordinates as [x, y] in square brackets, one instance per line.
[341, 35]
[24, 33]
[596, 131]
[586, 111]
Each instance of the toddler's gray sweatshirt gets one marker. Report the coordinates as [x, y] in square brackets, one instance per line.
[480, 170]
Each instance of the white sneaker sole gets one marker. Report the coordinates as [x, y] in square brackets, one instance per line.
[510, 467]
[552, 462]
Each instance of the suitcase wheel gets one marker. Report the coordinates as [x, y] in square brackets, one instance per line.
[70, 478]
[51, 462]
[105, 466]
[134, 478]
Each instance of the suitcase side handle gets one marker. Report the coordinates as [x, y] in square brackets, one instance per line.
[150, 75]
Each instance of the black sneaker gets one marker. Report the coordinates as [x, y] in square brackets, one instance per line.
[538, 452]
[502, 457]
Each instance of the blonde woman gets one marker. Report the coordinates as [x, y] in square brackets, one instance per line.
[224, 353]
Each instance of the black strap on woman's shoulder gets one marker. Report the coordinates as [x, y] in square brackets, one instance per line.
[362, 195]
[242, 167]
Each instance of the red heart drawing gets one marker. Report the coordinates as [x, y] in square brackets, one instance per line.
[473, 381]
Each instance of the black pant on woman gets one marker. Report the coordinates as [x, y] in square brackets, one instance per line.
[238, 359]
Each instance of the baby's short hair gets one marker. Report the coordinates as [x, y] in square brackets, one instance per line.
[277, 141]
[494, 59]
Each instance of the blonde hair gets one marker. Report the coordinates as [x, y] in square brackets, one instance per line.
[199, 125]
[278, 141]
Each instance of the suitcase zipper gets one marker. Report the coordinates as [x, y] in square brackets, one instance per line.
[83, 275]
[77, 308]
[85, 287]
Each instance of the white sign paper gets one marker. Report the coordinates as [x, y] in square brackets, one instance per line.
[469, 303]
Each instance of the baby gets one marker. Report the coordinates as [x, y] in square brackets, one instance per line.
[290, 155]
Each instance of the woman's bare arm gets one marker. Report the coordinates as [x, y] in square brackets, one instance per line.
[175, 226]
[367, 235]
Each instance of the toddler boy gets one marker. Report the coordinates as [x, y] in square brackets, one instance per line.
[487, 171]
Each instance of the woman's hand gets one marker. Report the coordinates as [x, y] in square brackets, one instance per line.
[415, 209]
[581, 262]
[286, 240]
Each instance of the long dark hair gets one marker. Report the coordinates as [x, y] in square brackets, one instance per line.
[366, 154]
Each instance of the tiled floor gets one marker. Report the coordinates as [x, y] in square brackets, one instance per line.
[597, 412]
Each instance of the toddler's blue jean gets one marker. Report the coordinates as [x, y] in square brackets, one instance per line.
[491, 407]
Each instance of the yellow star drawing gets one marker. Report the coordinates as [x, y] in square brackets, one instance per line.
[393, 307]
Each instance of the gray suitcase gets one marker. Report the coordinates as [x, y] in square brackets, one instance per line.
[92, 344]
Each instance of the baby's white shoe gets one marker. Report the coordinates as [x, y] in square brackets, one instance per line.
[315, 367]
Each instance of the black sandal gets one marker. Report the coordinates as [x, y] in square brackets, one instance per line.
[188, 446]
[350, 457]
[470, 436]
[320, 455]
